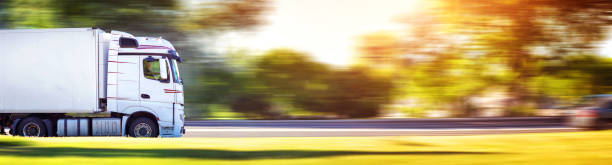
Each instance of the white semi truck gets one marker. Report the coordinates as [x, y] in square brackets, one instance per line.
[88, 82]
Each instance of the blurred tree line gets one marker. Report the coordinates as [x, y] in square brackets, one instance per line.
[284, 83]
[536, 53]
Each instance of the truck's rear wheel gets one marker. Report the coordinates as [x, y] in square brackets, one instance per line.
[143, 127]
[32, 126]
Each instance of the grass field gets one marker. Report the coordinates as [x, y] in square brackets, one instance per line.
[544, 148]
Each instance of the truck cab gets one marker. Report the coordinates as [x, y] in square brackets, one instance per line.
[147, 82]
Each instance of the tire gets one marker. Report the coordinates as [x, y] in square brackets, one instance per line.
[143, 127]
[32, 126]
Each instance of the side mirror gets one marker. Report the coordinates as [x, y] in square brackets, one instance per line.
[163, 71]
[174, 55]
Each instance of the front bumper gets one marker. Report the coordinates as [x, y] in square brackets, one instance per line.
[169, 130]
[176, 129]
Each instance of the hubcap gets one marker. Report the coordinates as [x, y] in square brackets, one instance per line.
[143, 130]
[31, 129]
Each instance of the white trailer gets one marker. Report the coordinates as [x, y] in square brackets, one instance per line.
[87, 82]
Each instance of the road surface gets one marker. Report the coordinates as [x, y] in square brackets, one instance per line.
[373, 127]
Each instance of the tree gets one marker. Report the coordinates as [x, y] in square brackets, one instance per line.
[233, 85]
[575, 75]
[292, 77]
[287, 72]
[354, 93]
[380, 49]
[512, 29]
[253, 106]
[516, 36]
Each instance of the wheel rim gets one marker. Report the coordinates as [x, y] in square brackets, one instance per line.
[31, 129]
[143, 130]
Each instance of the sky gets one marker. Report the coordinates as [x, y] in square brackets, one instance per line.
[325, 29]
[605, 47]
[328, 29]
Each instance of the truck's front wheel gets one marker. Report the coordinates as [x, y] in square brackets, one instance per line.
[143, 127]
[32, 126]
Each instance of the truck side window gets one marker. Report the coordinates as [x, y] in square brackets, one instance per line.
[151, 69]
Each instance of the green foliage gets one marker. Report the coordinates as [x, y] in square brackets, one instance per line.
[524, 48]
[30, 13]
[315, 87]
[285, 82]
[287, 71]
[253, 106]
[160, 16]
[227, 84]
[513, 29]
[228, 15]
[447, 82]
[572, 76]
[225, 87]
[524, 110]
[351, 93]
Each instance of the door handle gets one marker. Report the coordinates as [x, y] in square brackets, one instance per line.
[145, 96]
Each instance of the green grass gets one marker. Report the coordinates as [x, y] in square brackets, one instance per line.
[543, 148]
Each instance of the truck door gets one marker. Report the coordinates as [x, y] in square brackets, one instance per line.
[127, 81]
[155, 84]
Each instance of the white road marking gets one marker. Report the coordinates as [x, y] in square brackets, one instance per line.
[360, 130]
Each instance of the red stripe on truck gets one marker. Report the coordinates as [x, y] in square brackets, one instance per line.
[172, 91]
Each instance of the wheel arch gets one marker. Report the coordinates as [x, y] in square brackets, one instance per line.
[48, 121]
[138, 114]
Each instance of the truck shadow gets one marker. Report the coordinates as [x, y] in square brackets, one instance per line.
[12, 143]
[24, 151]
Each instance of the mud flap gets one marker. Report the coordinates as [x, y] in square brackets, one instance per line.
[49, 127]
[14, 127]
[124, 125]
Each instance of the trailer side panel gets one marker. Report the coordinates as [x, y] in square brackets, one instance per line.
[49, 71]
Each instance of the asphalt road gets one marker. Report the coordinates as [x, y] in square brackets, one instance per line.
[373, 127]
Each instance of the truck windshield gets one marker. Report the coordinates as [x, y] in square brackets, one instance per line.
[175, 72]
